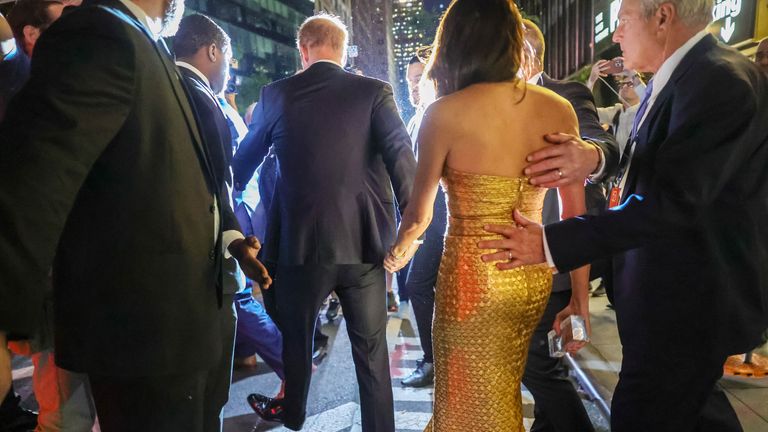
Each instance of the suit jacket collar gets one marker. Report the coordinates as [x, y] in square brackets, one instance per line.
[695, 54]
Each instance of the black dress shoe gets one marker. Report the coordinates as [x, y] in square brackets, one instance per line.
[266, 407]
[423, 376]
[333, 309]
[272, 410]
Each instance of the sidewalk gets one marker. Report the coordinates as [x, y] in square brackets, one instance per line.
[601, 360]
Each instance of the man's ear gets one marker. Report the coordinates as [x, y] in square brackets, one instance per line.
[213, 53]
[665, 15]
[31, 34]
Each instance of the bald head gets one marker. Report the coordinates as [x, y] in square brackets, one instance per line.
[535, 39]
[322, 37]
[761, 56]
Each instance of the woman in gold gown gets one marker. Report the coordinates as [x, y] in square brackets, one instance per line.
[475, 138]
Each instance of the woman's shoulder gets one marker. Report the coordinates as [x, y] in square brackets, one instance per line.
[547, 98]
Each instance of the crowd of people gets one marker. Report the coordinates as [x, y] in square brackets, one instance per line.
[141, 217]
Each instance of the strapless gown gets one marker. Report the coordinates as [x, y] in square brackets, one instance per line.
[484, 317]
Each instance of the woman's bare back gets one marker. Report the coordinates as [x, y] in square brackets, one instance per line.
[491, 128]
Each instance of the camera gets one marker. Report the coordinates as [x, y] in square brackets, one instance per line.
[616, 66]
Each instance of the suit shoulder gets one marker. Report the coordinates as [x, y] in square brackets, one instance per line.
[96, 20]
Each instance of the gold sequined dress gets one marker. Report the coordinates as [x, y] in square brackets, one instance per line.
[484, 317]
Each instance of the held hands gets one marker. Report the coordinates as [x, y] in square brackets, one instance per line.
[523, 244]
[394, 262]
[245, 252]
[5, 367]
[569, 159]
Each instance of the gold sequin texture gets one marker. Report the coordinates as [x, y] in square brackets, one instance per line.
[484, 317]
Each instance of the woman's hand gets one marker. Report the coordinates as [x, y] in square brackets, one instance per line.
[394, 261]
[575, 307]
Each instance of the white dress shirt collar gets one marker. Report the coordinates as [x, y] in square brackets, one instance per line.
[662, 76]
[195, 70]
[154, 26]
[536, 79]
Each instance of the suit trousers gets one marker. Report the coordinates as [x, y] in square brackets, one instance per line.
[558, 407]
[299, 292]
[220, 376]
[662, 390]
[168, 403]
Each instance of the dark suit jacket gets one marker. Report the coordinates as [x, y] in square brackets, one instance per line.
[217, 138]
[690, 237]
[103, 168]
[339, 141]
[589, 126]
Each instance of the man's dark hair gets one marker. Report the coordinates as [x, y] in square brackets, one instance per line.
[415, 59]
[476, 42]
[30, 12]
[197, 31]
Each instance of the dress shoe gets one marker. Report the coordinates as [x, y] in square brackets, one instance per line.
[423, 376]
[391, 302]
[319, 346]
[333, 309]
[272, 410]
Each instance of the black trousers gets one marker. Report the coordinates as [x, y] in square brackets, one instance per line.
[422, 277]
[558, 407]
[671, 389]
[171, 403]
[220, 376]
[299, 293]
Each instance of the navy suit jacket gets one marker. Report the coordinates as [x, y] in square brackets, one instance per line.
[217, 140]
[589, 128]
[341, 149]
[690, 241]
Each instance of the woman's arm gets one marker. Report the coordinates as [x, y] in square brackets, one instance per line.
[432, 154]
[573, 204]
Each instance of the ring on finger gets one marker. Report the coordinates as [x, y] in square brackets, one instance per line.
[560, 173]
[509, 255]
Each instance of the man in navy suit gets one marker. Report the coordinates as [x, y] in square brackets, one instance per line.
[341, 149]
[688, 240]
[203, 52]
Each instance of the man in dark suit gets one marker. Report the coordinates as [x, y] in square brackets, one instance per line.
[203, 51]
[688, 241]
[341, 148]
[558, 407]
[111, 186]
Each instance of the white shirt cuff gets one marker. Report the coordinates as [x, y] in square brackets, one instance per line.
[227, 238]
[547, 253]
[7, 47]
[598, 175]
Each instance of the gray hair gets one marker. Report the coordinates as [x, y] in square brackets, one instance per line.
[691, 12]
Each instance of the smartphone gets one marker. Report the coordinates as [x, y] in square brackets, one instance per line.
[616, 66]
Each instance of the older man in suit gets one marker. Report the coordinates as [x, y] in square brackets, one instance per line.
[107, 181]
[341, 149]
[688, 240]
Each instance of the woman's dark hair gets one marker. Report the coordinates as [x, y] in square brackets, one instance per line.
[477, 41]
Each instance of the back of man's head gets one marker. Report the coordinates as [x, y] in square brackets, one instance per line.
[30, 18]
[198, 31]
[324, 34]
[535, 39]
[201, 43]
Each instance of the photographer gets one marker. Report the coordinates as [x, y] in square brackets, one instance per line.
[620, 116]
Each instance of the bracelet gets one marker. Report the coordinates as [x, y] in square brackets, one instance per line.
[397, 257]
